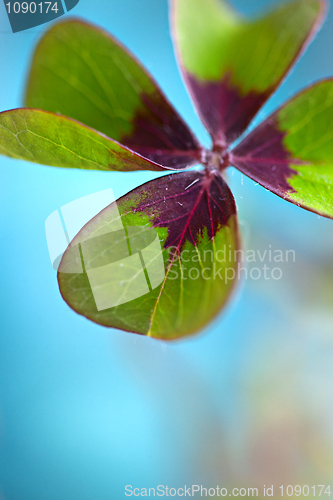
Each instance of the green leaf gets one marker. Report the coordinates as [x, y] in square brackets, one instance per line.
[82, 72]
[159, 262]
[50, 139]
[232, 65]
[291, 153]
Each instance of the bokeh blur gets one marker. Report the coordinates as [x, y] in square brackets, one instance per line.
[85, 410]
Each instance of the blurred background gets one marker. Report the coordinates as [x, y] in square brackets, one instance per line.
[85, 410]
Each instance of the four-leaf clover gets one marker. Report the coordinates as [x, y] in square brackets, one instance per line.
[91, 105]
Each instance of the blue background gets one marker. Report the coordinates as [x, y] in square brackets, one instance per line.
[86, 410]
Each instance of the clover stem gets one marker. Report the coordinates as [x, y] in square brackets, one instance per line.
[216, 158]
